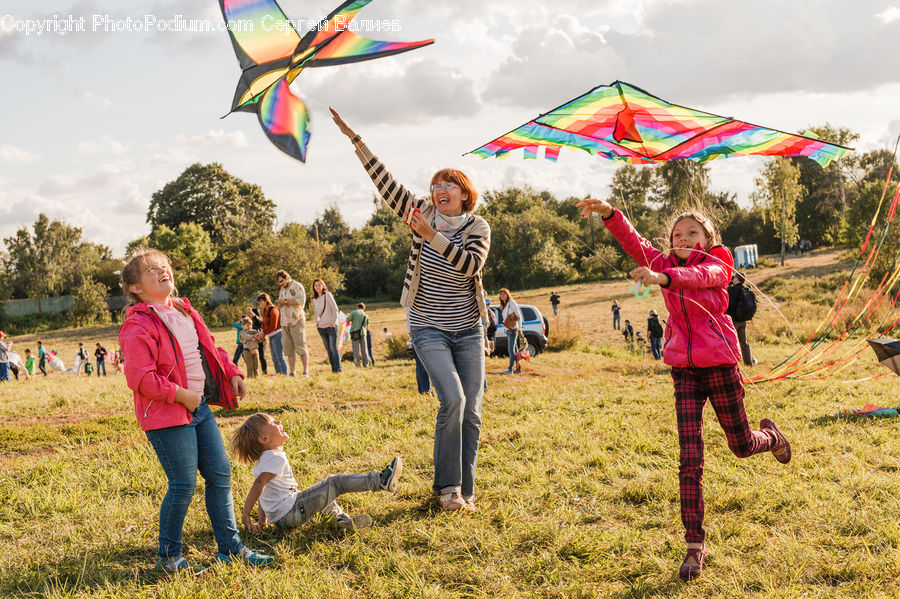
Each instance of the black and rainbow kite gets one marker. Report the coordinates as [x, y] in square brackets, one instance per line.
[271, 54]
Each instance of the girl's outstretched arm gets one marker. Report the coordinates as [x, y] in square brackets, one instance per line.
[252, 498]
[631, 241]
[400, 199]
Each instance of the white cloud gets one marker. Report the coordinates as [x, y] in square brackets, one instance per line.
[889, 15]
[89, 97]
[105, 146]
[15, 156]
[380, 93]
[552, 64]
[214, 137]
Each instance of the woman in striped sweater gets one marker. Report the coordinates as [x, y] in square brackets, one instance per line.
[445, 300]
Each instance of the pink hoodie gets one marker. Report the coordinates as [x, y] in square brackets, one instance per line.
[154, 367]
[698, 333]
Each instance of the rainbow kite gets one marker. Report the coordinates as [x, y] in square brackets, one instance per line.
[271, 54]
[623, 122]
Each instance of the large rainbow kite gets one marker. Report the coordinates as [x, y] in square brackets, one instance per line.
[271, 54]
[623, 122]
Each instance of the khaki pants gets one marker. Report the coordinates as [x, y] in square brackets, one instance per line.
[294, 339]
[251, 359]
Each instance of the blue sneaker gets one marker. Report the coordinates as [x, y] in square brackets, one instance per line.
[390, 476]
[176, 564]
[247, 556]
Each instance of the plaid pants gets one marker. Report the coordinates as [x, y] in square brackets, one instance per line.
[725, 390]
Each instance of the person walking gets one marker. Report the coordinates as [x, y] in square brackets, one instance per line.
[511, 316]
[291, 302]
[554, 302]
[42, 358]
[359, 325]
[5, 346]
[326, 312]
[239, 350]
[444, 294]
[81, 358]
[655, 332]
[100, 353]
[271, 330]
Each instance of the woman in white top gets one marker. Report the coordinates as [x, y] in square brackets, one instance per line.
[509, 306]
[326, 322]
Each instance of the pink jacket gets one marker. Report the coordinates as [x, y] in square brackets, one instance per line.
[698, 333]
[154, 367]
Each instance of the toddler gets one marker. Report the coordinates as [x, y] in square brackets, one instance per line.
[260, 440]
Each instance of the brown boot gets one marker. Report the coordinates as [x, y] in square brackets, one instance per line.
[782, 449]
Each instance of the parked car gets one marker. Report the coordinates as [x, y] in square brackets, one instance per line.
[534, 326]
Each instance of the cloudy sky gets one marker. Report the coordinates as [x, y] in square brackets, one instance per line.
[95, 121]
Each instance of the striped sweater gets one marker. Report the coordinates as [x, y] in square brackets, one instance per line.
[468, 260]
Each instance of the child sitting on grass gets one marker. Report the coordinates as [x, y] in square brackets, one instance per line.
[260, 441]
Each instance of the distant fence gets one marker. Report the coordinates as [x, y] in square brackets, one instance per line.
[61, 303]
[47, 305]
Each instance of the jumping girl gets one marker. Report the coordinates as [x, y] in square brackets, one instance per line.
[701, 346]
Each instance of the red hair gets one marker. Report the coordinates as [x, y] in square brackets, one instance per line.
[465, 184]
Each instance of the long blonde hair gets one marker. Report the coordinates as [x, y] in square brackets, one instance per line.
[133, 270]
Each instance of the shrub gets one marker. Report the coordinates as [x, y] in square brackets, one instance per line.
[396, 347]
[564, 335]
[89, 304]
[224, 315]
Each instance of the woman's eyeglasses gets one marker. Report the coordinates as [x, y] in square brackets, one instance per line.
[447, 186]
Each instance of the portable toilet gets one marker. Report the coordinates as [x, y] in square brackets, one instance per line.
[745, 256]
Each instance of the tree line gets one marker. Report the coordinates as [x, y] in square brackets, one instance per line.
[220, 230]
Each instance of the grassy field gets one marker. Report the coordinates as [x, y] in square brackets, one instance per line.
[577, 487]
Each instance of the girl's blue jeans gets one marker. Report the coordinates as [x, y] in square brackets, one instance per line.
[277, 352]
[455, 365]
[329, 339]
[182, 451]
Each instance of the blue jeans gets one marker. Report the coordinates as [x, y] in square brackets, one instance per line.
[656, 347]
[616, 321]
[512, 337]
[277, 353]
[455, 364]
[329, 338]
[238, 352]
[182, 450]
[101, 364]
[4, 371]
[422, 380]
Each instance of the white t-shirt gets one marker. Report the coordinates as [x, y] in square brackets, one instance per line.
[186, 335]
[278, 496]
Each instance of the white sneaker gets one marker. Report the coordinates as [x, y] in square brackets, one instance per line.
[507, 371]
[451, 501]
[754, 362]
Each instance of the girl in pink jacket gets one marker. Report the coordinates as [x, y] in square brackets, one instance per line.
[701, 345]
[176, 371]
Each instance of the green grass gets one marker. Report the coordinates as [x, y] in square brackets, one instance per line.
[577, 487]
